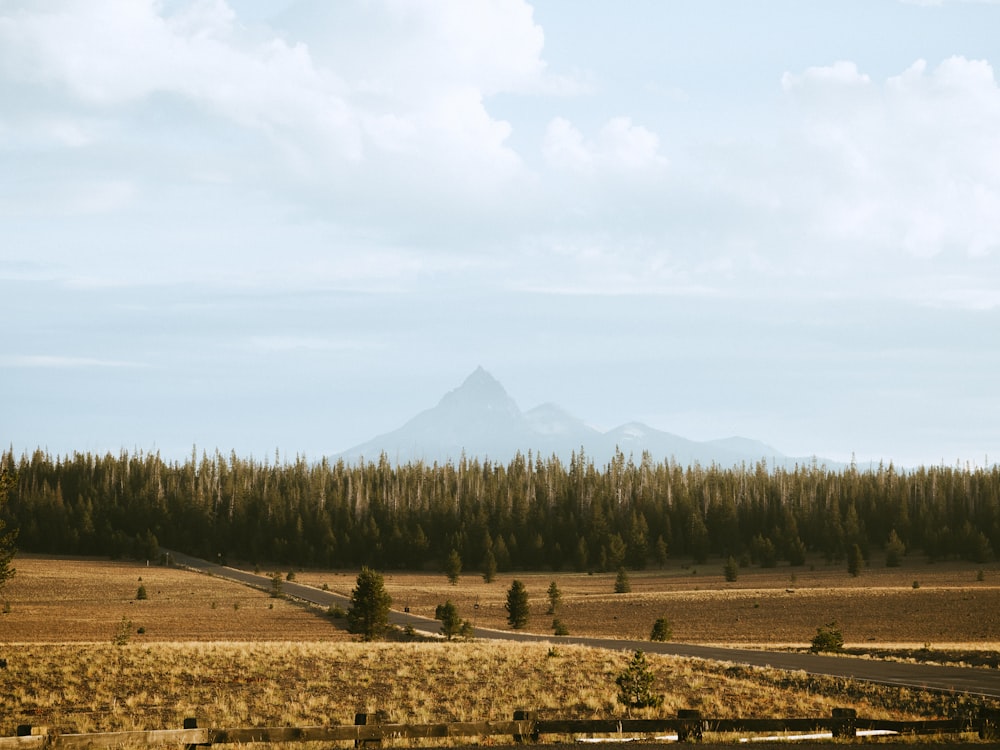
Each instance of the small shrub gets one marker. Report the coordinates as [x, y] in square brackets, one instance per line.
[827, 639]
[6, 608]
[336, 612]
[236, 606]
[635, 684]
[123, 633]
[290, 576]
[559, 627]
[916, 584]
[325, 587]
[213, 605]
[140, 593]
[141, 630]
[980, 575]
[661, 630]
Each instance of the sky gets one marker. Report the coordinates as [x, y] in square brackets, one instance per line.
[282, 227]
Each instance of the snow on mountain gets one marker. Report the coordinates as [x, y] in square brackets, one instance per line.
[480, 419]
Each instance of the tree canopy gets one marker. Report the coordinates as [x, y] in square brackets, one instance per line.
[7, 538]
[532, 513]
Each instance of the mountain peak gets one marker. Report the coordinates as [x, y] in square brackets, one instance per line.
[480, 391]
[481, 379]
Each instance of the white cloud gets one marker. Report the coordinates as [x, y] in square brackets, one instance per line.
[910, 167]
[620, 146]
[406, 94]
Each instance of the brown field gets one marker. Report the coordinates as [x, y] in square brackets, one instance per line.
[232, 656]
[765, 607]
[65, 600]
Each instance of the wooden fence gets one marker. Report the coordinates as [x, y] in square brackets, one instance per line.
[371, 729]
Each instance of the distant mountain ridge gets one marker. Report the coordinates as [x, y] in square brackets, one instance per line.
[480, 419]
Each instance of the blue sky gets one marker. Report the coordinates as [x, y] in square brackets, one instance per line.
[292, 225]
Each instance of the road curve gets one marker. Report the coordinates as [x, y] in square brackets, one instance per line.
[973, 681]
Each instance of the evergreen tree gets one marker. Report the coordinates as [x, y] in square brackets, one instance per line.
[368, 615]
[894, 550]
[660, 551]
[451, 624]
[635, 684]
[453, 567]
[555, 596]
[622, 583]
[855, 561]
[731, 569]
[517, 605]
[661, 630]
[7, 538]
[489, 567]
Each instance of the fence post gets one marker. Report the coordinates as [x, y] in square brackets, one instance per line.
[529, 716]
[690, 727]
[191, 722]
[362, 720]
[844, 725]
[989, 724]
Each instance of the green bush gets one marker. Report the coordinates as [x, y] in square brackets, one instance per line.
[141, 592]
[661, 630]
[828, 639]
[336, 612]
[559, 628]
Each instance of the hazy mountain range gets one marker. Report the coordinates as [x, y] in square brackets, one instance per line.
[481, 419]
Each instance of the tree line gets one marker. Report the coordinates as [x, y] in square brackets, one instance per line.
[530, 513]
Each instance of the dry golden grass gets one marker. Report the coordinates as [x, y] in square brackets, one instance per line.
[101, 687]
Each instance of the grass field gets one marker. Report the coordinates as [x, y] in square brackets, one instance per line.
[233, 656]
[766, 607]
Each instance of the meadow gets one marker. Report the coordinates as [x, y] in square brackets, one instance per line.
[233, 656]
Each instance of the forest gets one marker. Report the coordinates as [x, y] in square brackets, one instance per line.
[532, 513]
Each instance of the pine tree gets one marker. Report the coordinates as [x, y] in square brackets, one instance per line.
[894, 550]
[622, 583]
[731, 569]
[368, 615]
[7, 538]
[555, 596]
[635, 684]
[517, 605]
[489, 567]
[855, 561]
[453, 567]
[451, 624]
